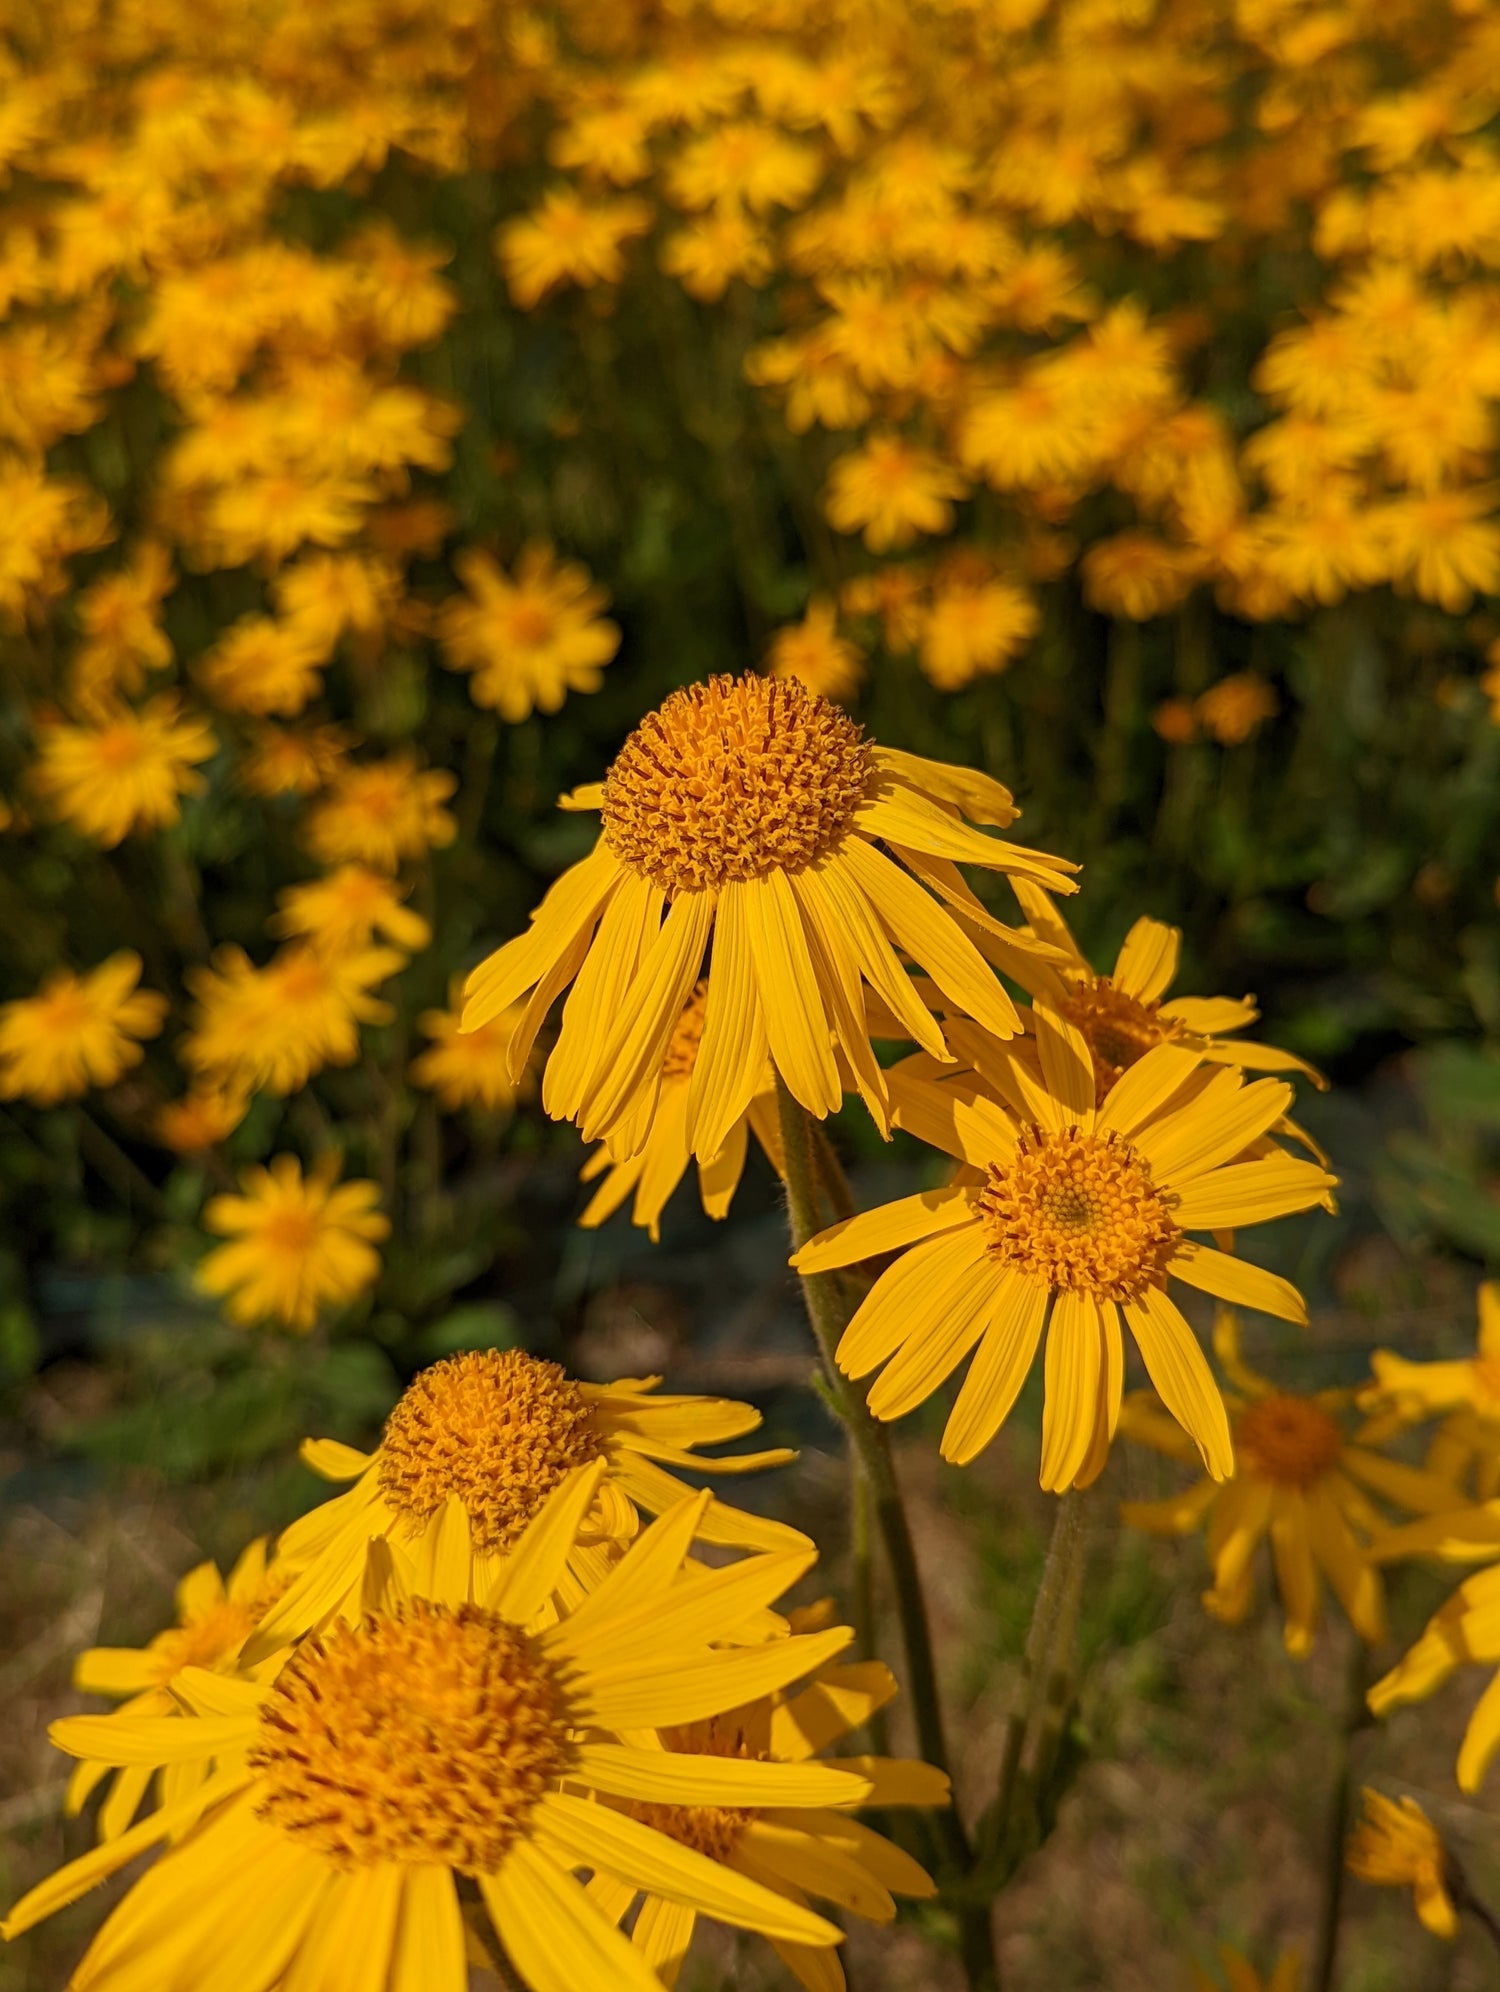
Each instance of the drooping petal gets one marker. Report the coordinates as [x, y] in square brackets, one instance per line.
[1074, 1357]
[732, 1052]
[649, 1013]
[675, 1777]
[1180, 1374]
[998, 1370]
[554, 1935]
[885, 1229]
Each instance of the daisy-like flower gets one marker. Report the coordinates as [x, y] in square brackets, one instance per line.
[119, 621]
[1122, 1014]
[1068, 1216]
[77, 1031]
[469, 1068]
[1301, 1481]
[1236, 708]
[653, 1173]
[271, 1028]
[327, 593]
[201, 1119]
[125, 772]
[798, 1851]
[567, 240]
[891, 490]
[496, 1431]
[432, 1739]
[1395, 1845]
[813, 652]
[1467, 1388]
[749, 810]
[288, 760]
[344, 912]
[975, 628]
[382, 813]
[215, 1617]
[531, 639]
[298, 1245]
[263, 666]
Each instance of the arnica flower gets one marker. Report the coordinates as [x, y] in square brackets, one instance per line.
[382, 813]
[201, 1119]
[298, 1245]
[656, 1169]
[813, 652]
[124, 772]
[1240, 1974]
[1467, 1388]
[77, 1031]
[749, 809]
[271, 1028]
[328, 593]
[1395, 1845]
[1122, 1015]
[891, 490]
[1068, 1216]
[1299, 1481]
[974, 628]
[429, 1741]
[798, 1851]
[567, 241]
[262, 666]
[344, 912]
[214, 1619]
[119, 622]
[1236, 708]
[493, 1432]
[469, 1068]
[294, 761]
[529, 640]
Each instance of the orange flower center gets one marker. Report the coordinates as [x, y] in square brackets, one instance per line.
[1119, 1029]
[1080, 1213]
[1290, 1441]
[732, 780]
[682, 1049]
[530, 625]
[119, 748]
[713, 1830]
[221, 1630]
[498, 1428]
[422, 1736]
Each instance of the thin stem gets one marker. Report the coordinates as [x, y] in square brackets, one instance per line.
[1331, 1906]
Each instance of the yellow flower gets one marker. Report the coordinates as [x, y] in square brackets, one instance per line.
[294, 761]
[974, 628]
[1175, 721]
[273, 1027]
[214, 1619]
[1446, 544]
[125, 772]
[754, 807]
[314, 1839]
[201, 1119]
[707, 255]
[1122, 1015]
[381, 813]
[343, 913]
[262, 666]
[1241, 1976]
[398, 288]
[655, 1171]
[1236, 708]
[469, 1068]
[813, 652]
[531, 640]
[567, 241]
[744, 162]
[298, 1245]
[1298, 1481]
[1396, 1845]
[795, 1850]
[1468, 1388]
[77, 1031]
[1028, 436]
[47, 520]
[1068, 1216]
[493, 1433]
[119, 621]
[326, 593]
[891, 490]
[269, 514]
[1137, 575]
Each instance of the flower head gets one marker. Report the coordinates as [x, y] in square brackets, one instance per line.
[567, 240]
[201, 1119]
[262, 666]
[299, 1244]
[469, 1068]
[748, 809]
[124, 772]
[1396, 1845]
[892, 490]
[77, 1031]
[529, 640]
[814, 653]
[345, 911]
[382, 813]
[273, 1027]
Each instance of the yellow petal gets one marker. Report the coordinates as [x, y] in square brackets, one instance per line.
[1182, 1379]
[998, 1371]
[791, 1002]
[1074, 1357]
[649, 1013]
[878, 964]
[675, 1777]
[1144, 1088]
[333, 1461]
[840, 1699]
[1481, 1739]
[816, 1863]
[571, 907]
[528, 1577]
[662, 1934]
[554, 1935]
[1219, 1125]
[939, 1340]
[909, 1297]
[1251, 1193]
[1148, 960]
[1232, 1279]
[630, 923]
[981, 798]
[429, 1952]
[885, 1229]
[686, 1691]
[733, 1048]
[1067, 1066]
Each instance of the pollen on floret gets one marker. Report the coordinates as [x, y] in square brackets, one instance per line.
[1288, 1440]
[732, 780]
[498, 1428]
[1080, 1213]
[423, 1736]
[712, 1830]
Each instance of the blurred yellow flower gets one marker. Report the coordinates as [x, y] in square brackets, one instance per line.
[201, 1119]
[344, 912]
[299, 1245]
[284, 760]
[531, 639]
[326, 593]
[262, 666]
[77, 1031]
[892, 490]
[382, 813]
[469, 1068]
[714, 249]
[124, 773]
[1396, 1845]
[273, 1027]
[744, 162]
[567, 240]
[1467, 1388]
[119, 624]
[813, 652]
[1236, 708]
[973, 629]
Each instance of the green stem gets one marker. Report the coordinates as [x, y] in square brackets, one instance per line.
[1330, 1908]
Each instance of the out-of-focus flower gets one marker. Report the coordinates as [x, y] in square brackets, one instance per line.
[298, 1244]
[973, 629]
[814, 652]
[124, 773]
[1236, 708]
[567, 240]
[891, 490]
[274, 1027]
[469, 1068]
[530, 638]
[201, 1119]
[382, 813]
[1395, 1845]
[345, 911]
[77, 1031]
